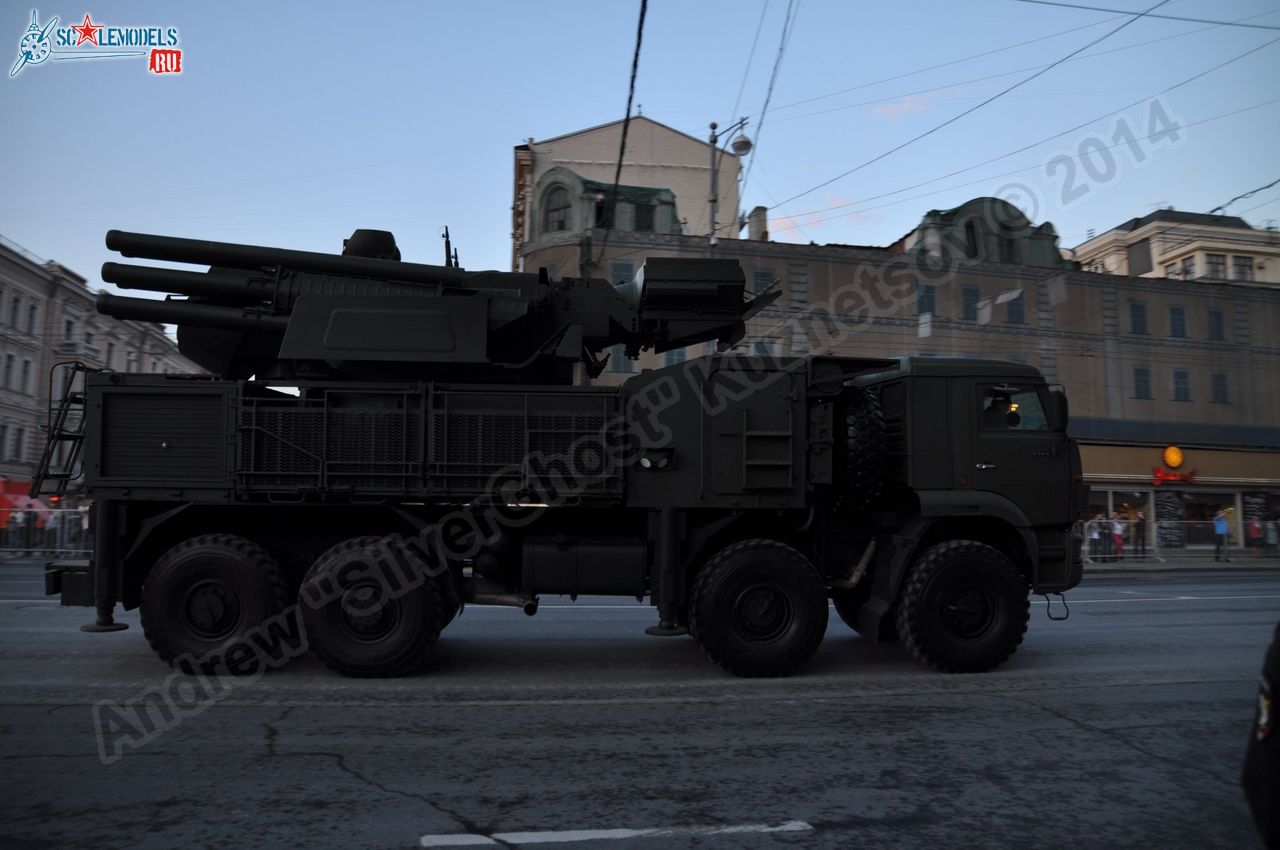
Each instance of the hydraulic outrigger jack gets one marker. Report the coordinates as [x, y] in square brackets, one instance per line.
[105, 547]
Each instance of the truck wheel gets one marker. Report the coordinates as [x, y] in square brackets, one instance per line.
[206, 592]
[849, 602]
[361, 622]
[864, 451]
[759, 609]
[964, 608]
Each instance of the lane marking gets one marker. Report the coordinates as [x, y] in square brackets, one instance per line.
[1071, 601]
[570, 835]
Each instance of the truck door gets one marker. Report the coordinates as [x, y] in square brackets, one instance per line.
[1016, 450]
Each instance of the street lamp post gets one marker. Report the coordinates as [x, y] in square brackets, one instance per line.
[741, 147]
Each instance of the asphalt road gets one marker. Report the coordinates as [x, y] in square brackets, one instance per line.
[1121, 727]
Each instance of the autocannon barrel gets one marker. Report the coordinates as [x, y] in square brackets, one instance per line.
[186, 313]
[223, 286]
[228, 254]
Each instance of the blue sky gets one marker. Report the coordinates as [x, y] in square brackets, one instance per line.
[292, 124]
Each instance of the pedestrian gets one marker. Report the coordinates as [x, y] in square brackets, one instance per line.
[1140, 535]
[1095, 539]
[1273, 537]
[85, 543]
[1220, 527]
[1117, 531]
[1254, 540]
[52, 527]
[17, 530]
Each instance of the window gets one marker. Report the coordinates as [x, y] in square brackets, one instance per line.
[4, 441]
[155, 367]
[1016, 310]
[1011, 408]
[969, 296]
[1181, 385]
[619, 363]
[622, 271]
[15, 311]
[764, 348]
[19, 444]
[1241, 268]
[1217, 327]
[9, 361]
[68, 329]
[925, 299]
[111, 355]
[1219, 380]
[1141, 382]
[31, 320]
[604, 212]
[1177, 321]
[761, 279]
[1189, 267]
[675, 357]
[26, 377]
[1215, 266]
[1137, 317]
[555, 210]
[644, 218]
[1171, 270]
[972, 240]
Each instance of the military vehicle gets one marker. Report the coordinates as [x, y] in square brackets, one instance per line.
[381, 443]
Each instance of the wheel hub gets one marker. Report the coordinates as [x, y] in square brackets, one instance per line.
[368, 615]
[968, 612]
[211, 610]
[762, 613]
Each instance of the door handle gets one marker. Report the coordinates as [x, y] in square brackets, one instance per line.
[985, 465]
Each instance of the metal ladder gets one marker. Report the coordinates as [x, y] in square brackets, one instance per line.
[63, 428]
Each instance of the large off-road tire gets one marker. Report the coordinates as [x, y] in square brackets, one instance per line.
[964, 608]
[203, 594]
[360, 623]
[759, 609]
[849, 602]
[865, 465]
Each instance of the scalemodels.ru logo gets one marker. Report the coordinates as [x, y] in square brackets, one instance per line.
[89, 40]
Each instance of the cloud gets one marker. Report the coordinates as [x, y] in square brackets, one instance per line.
[909, 104]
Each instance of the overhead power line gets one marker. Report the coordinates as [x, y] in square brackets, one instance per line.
[1055, 136]
[788, 22]
[611, 210]
[1137, 16]
[1148, 15]
[750, 58]
[1245, 195]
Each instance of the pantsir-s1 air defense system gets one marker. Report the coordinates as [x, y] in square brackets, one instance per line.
[379, 444]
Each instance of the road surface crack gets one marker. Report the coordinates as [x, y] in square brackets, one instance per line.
[466, 823]
[273, 732]
[1121, 739]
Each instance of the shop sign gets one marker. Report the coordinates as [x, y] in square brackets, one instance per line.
[1160, 476]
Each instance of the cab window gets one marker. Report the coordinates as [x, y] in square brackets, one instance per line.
[1009, 407]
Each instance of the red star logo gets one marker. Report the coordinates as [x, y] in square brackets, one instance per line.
[87, 31]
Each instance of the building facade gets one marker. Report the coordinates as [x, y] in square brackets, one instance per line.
[563, 187]
[48, 317]
[1148, 361]
[1185, 246]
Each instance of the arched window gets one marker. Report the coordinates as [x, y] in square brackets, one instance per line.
[555, 211]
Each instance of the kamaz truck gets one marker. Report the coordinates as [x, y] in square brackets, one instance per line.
[378, 444]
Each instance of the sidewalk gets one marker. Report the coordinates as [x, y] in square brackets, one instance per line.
[1239, 561]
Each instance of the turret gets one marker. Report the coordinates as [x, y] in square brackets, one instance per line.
[364, 314]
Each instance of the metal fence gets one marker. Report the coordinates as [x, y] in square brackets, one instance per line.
[1108, 541]
[45, 532]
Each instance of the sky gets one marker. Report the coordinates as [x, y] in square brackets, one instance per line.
[293, 124]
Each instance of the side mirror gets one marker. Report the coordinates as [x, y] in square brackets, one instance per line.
[1059, 409]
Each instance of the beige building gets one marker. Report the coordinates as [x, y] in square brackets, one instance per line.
[1148, 360]
[47, 317]
[563, 187]
[1185, 246]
